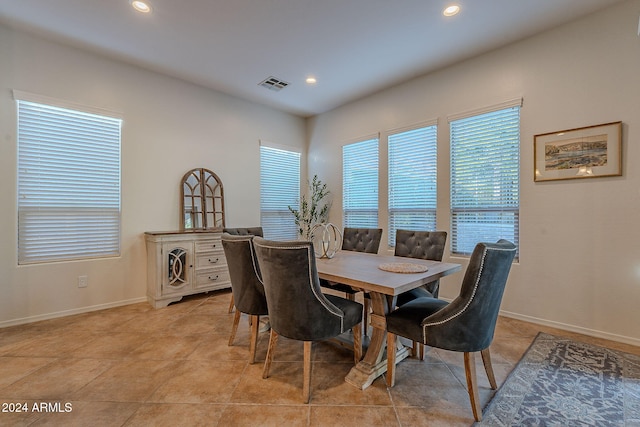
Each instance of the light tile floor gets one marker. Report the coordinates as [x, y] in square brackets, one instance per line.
[138, 366]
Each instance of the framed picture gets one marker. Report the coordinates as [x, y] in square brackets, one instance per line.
[588, 152]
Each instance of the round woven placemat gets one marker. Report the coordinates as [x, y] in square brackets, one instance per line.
[403, 267]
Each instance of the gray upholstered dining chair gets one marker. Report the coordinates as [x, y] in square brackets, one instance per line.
[297, 308]
[361, 239]
[423, 245]
[246, 285]
[365, 240]
[242, 231]
[466, 324]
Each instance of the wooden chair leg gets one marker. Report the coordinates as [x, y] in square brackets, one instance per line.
[255, 324]
[365, 316]
[357, 342]
[418, 350]
[472, 385]
[391, 359]
[231, 304]
[306, 386]
[273, 340]
[234, 327]
[486, 360]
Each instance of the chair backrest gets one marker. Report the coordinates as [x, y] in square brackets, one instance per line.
[246, 231]
[469, 321]
[244, 271]
[361, 239]
[424, 245]
[297, 308]
[420, 244]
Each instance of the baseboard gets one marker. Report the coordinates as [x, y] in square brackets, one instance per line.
[572, 328]
[567, 327]
[64, 313]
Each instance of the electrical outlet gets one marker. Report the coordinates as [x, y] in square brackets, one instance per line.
[83, 281]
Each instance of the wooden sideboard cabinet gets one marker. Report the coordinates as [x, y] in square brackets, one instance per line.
[182, 263]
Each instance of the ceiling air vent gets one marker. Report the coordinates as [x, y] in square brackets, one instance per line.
[274, 84]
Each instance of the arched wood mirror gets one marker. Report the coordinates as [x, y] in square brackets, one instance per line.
[202, 200]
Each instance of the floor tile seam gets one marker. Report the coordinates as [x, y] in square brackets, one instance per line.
[32, 372]
[240, 376]
[348, 405]
[101, 374]
[448, 366]
[332, 362]
[393, 403]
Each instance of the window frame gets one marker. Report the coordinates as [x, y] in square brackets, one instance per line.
[65, 212]
[505, 202]
[420, 214]
[360, 210]
[277, 222]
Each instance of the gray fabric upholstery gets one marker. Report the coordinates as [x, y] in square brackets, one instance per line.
[468, 322]
[246, 231]
[297, 308]
[248, 292]
[358, 240]
[361, 239]
[423, 245]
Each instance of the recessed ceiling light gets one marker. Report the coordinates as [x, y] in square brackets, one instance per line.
[451, 10]
[311, 80]
[141, 6]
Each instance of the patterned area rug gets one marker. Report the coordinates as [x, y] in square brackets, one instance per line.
[560, 382]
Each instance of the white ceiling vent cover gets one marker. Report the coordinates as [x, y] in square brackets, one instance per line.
[273, 83]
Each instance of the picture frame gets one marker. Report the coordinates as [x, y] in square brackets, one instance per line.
[587, 152]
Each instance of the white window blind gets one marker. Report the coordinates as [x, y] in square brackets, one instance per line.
[68, 184]
[485, 178]
[412, 180]
[279, 189]
[360, 184]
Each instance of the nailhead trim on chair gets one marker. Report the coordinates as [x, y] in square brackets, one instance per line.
[332, 309]
[473, 295]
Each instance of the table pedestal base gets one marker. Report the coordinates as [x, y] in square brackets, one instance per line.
[364, 374]
[374, 363]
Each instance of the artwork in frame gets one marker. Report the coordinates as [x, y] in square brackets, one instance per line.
[588, 152]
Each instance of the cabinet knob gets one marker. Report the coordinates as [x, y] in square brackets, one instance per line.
[213, 261]
[212, 278]
[214, 245]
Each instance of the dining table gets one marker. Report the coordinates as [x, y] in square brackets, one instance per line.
[383, 277]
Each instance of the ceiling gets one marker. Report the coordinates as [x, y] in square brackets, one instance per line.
[353, 47]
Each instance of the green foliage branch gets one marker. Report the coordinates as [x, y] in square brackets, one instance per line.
[313, 210]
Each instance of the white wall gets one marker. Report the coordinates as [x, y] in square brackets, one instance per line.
[579, 263]
[169, 128]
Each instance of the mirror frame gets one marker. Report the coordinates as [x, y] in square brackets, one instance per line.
[203, 185]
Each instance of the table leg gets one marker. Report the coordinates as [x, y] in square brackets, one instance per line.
[372, 365]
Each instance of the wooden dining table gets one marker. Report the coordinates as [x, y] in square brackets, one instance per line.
[362, 271]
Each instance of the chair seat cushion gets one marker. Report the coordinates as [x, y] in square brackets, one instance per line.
[407, 320]
[337, 286]
[413, 294]
[352, 310]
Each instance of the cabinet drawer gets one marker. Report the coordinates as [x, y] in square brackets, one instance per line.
[210, 260]
[212, 278]
[209, 245]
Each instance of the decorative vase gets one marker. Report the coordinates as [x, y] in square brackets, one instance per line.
[326, 239]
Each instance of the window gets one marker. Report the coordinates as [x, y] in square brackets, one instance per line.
[68, 183]
[485, 172]
[412, 180]
[360, 184]
[279, 189]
